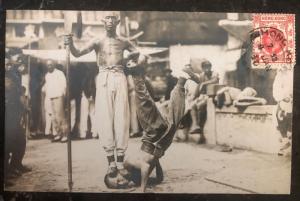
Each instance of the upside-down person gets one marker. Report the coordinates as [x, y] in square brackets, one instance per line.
[159, 129]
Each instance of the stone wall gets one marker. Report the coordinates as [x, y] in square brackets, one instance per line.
[251, 129]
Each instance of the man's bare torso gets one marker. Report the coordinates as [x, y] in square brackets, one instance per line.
[109, 51]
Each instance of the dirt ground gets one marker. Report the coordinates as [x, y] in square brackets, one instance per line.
[188, 168]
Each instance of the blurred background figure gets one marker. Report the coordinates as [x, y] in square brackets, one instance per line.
[24, 78]
[50, 131]
[239, 98]
[15, 115]
[55, 89]
[135, 129]
[283, 94]
[170, 82]
[87, 108]
[198, 110]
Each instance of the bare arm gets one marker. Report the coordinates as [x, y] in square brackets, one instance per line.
[214, 80]
[141, 59]
[146, 170]
[79, 52]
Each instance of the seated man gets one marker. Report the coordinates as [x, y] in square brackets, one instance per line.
[159, 130]
[198, 111]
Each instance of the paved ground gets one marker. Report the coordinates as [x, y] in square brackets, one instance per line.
[188, 168]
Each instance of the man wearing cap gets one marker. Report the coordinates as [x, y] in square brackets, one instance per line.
[111, 106]
[199, 110]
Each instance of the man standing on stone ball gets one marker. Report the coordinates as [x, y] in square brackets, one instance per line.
[112, 112]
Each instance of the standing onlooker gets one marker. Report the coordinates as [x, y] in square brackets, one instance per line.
[15, 136]
[55, 89]
[283, 94]
[170, 82]
[24, 76]
[87, 108]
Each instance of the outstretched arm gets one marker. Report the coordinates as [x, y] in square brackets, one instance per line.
[201, 86]
[79, 52]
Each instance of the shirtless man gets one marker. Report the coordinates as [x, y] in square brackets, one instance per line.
[239, 98]
[111, 104]
[159, 130]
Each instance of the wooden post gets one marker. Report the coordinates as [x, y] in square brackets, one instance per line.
[68, 112]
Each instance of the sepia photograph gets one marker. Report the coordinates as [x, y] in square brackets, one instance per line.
[148, 102]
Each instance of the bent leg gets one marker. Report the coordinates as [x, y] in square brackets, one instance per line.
[149, 116]
[177, 103]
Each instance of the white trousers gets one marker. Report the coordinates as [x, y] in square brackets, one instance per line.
[49, 118]
[55, 116]
[87, 109]
[112, 111]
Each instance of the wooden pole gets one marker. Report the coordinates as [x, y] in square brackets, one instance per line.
[68, 112]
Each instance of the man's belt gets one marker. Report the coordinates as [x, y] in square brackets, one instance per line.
[112, 68]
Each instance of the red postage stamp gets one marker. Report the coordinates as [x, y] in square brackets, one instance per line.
[273, 39]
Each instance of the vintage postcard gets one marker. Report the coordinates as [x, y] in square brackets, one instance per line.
[148, 101]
